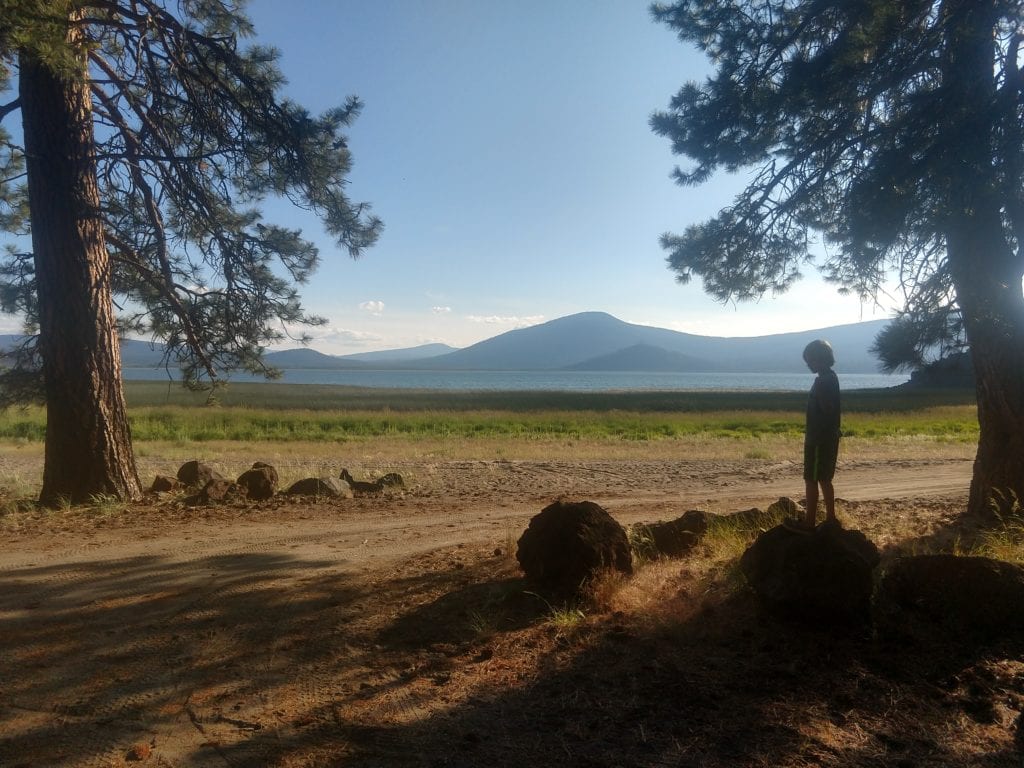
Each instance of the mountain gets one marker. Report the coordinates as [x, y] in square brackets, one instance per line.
[141, 354]
[587, 338]
[421, 352]
[643, 357]
[308, 359]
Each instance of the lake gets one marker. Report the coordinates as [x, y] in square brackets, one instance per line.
[563, 381]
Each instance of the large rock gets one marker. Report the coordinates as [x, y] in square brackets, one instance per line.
[974, 598]
[217, 491]
[671, 538]
[568, 543]
[824, 576]
[319, 486]
[164, 483]
[197, 474]
[260, 482]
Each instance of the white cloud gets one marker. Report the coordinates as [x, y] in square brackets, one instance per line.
[441, 310]
[373, 307]
[513, 320]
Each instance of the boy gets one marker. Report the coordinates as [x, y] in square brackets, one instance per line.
[821, 438]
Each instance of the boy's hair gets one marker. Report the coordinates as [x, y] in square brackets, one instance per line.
[820, 351]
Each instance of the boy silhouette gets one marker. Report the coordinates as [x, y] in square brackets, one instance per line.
[821, 435]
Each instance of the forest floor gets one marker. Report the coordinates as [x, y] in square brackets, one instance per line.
[396, 630]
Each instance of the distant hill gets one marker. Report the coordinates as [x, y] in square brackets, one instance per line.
[421, 352]
[643, 357]
[308, 359]
[141, 354]
[593, 338]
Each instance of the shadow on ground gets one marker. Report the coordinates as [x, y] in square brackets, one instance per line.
[266, 659]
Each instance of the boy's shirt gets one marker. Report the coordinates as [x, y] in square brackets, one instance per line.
[823, 408]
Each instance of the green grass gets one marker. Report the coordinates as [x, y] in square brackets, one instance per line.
[311, 413]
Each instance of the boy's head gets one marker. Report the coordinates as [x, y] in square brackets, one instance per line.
[818, 355]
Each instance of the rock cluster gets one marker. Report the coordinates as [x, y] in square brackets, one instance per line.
[828, 576]
[260, 483]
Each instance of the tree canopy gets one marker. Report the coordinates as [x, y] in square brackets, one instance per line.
[191, 134]
[882, 137]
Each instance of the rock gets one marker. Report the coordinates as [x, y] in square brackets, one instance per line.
[270, 467]
[219, 490]
[672, 538]
[568, 543]
[784, 507]
[196, 474]
[360, 486]
[391, 480]
[319, 486]
[975, 598]
[164, 483]
[752, 519]
[260, 482]
[824, 576]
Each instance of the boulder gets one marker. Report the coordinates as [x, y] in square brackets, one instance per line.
[260, 482]
[164, 483]
[568, 543]
[272, 470]
[672, 538]
[785, 507]
[319, 486]
[196, 474]
[974, 598]
[824, 576]
[217, 491]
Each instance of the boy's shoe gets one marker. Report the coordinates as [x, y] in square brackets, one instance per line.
[797, 526]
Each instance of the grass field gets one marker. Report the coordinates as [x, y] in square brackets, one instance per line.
[311, 413]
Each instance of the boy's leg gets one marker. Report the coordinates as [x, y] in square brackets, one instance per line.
[828, 492]
[811, 511]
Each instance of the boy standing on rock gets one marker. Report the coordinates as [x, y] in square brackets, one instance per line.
[821, 437]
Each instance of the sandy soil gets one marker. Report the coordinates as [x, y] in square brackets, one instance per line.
[394, 630]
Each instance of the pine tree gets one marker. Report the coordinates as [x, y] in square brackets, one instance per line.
[150, 139]
[890, 129]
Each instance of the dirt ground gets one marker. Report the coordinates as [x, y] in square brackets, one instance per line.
[395, 630]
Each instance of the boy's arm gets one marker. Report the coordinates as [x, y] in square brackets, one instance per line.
[828, 399]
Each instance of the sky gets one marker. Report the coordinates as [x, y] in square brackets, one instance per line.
[507, 149]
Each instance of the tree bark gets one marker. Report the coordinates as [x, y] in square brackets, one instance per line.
[993, 310]
[987, 270]
[88, 444]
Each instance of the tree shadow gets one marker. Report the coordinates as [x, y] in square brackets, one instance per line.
[262, 658]
[724, 685]
[96, 652]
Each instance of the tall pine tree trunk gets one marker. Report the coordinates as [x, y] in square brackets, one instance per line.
[989, 293]
[987, 269]
[88, 445]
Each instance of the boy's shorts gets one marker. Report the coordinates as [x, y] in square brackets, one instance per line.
[820, 461]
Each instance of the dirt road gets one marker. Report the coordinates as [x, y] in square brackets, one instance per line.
[237, 635]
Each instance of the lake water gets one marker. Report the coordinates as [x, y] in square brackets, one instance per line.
[564, 381]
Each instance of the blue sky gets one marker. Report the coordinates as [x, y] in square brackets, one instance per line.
[506, 147]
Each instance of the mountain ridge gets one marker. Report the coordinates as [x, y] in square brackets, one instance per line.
[586, 341]
[586, 337]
